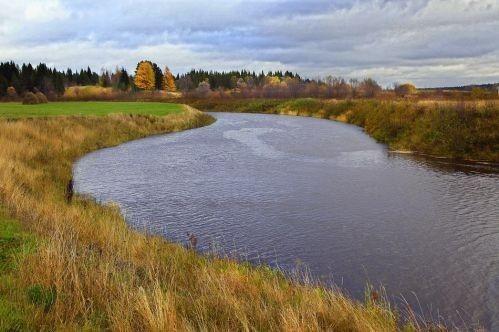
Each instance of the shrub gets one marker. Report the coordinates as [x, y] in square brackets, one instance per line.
[30, 99]
[479, 93]
[11, 92]
[405, 90]
[42, 99]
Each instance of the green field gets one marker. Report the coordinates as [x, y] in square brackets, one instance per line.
[18, 110]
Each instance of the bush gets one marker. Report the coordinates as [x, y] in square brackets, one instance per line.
[11, 92]
[30, 99]
[405, 90]
[42, 99]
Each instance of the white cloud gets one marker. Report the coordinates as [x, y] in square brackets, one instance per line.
[45, 11]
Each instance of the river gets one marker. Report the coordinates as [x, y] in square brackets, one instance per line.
[321, 196]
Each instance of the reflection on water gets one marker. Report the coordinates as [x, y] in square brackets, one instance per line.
[281, 190]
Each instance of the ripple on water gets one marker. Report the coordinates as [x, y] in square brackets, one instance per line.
[291, 191]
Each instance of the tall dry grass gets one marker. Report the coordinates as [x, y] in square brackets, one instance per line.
[91, 271]
[98, 93]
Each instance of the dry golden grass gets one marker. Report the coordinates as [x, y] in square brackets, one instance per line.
[91, 271]
[98, 93]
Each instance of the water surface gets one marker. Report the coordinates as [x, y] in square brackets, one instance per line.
[301, 192]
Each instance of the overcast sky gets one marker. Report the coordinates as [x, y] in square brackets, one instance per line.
[427, 42]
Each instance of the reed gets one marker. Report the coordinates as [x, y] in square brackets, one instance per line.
[86, 269]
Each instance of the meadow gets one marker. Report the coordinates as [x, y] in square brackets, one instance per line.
[77, 265]
[17, 110]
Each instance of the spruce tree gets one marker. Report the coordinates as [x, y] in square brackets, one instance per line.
[158, 77]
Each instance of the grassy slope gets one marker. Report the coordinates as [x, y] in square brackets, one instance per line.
[18, 110]
[90, 271]
[467, 131]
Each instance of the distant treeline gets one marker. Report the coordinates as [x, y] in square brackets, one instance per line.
[16, 80]
[488, 87]
[229, 79]
[50, 81]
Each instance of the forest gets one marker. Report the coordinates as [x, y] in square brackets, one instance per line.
[16, 80]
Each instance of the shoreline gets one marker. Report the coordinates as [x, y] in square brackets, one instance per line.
[435, 130]
[127, 275]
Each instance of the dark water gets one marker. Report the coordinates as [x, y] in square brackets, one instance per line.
[294, 192]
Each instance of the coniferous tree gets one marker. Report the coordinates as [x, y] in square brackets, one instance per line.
[105, 79]
[145, 77]
[41, 78]
[4, 84]
[169, 81]
[124, 80]
[158, 77]
[27, 77]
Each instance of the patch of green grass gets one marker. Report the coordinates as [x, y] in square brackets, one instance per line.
[18, 110]
[13, 242]
[11, 317]
[42, 296]
[10, 240]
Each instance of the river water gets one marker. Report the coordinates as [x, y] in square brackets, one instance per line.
[308, 194]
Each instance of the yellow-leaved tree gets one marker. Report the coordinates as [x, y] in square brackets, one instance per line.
[144, 76]
[169, 80]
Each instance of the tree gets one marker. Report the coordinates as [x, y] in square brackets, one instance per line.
[337, 87]
[203, 89]
[369, 88]
[185, 83]
[404, 90]
[169, 80]
[123, 80]
[27, 77]
[4, 84]
[354, 85]
[158, 77]
[58, 81]
[105, 79]
[144, 76]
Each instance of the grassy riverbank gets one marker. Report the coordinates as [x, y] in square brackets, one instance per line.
[461, 130]
[79, 266]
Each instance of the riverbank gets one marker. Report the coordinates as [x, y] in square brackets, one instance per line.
[84, 268]
[458, 130]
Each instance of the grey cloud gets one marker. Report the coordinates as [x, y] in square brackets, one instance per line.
[386, 38]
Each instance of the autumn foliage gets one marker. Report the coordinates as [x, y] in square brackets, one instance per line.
[169, 81]
[145, 76]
